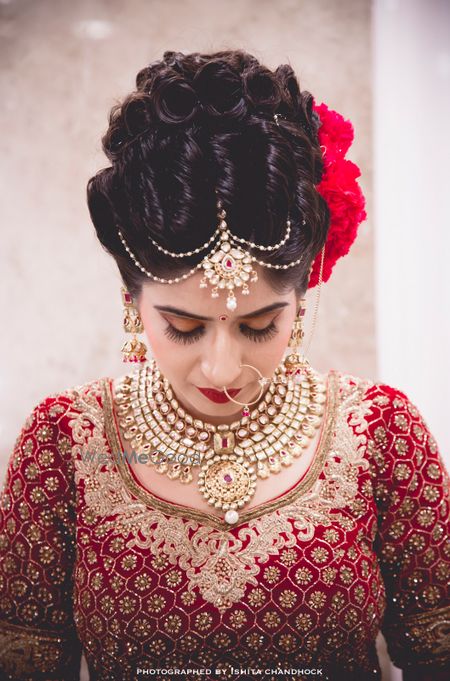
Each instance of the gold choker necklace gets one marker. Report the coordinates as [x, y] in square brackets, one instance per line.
[231, 456]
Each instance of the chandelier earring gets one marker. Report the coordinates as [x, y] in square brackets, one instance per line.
[296, 363]
[133, 350]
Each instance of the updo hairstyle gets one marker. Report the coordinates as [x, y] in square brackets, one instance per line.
[198, 123]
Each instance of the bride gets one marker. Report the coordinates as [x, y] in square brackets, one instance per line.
[223, 506]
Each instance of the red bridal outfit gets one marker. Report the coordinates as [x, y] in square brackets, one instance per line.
[92, 562]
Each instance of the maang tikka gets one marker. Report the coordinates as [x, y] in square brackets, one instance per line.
[227, 265]
[133, 350]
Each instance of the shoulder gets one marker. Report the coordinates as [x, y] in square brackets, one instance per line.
[390, 419]
[399, 444]
[382, 400]
[73, 394]
[50, 429]
[50, 416]
[42, 455]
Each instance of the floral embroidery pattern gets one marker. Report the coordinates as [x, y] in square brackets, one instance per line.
[220, 563]
[359, 544]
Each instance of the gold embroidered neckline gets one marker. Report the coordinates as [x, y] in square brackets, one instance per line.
[306, 481]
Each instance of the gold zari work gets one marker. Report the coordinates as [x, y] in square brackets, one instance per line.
[359, 543]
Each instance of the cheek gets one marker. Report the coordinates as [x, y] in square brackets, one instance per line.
[172, 358]
[267, 355]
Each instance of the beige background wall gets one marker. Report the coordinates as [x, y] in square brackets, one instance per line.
[63, 64]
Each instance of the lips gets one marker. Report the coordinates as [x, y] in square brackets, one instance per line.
[219, 396]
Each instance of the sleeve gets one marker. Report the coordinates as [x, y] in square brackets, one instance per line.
[411, 486]
[38, 639]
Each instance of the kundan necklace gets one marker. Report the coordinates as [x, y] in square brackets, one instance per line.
[231, 456]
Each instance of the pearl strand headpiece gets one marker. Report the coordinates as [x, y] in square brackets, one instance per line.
[227, 265]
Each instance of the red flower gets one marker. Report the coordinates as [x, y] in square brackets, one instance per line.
[340, 190]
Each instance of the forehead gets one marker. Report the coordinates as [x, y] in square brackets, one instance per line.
[188, 295]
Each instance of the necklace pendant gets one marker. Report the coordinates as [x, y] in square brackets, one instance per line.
[162, 466]
[224, 442]
[227, 483]
[231, 458]
[274, 464]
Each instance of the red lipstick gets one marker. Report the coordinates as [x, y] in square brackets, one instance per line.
[218, 395]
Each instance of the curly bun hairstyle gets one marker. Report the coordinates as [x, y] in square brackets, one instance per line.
[197, 123]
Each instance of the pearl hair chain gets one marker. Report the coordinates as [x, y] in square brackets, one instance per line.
[226, 266]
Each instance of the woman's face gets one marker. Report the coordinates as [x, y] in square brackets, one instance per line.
[194, 348]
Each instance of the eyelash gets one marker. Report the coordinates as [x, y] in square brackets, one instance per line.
[257, 335]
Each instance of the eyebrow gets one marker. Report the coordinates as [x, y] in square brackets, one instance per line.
[191, 315]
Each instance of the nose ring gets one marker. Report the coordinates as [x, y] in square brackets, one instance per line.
[262, 381]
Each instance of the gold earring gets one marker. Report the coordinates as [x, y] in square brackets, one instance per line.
[133, 350]
[296, 363]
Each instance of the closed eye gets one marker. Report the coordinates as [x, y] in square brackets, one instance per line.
[257, 335]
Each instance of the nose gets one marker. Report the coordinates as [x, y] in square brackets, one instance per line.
[221, 361]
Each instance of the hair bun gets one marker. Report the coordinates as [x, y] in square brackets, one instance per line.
[290, 86]
[200, 124]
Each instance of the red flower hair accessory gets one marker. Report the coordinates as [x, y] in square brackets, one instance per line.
[339, 188]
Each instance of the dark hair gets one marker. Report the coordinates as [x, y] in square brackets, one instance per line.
[195, 124]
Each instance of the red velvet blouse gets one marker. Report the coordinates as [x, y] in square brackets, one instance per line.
[91, 562]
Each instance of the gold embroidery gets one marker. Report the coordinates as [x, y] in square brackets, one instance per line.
[220, 564]
[26, 651]
[419, 639]
[402, 471]
[303, 576]
[317, 600]
[288, 599]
